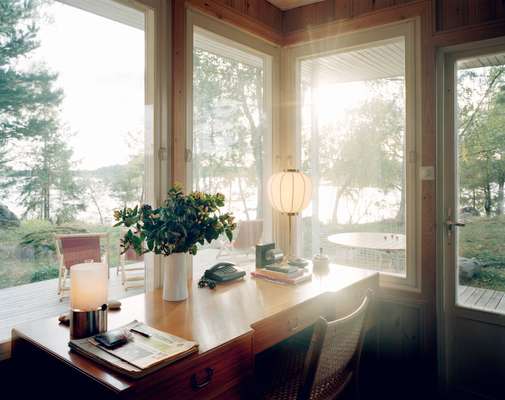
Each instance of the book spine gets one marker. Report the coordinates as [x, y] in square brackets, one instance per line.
[275, 279]
[279, 275]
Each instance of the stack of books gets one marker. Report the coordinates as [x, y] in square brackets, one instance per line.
[283, 274]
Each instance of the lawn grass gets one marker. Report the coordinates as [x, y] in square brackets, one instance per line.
[483, 238]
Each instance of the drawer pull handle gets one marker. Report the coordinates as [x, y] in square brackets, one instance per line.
[200, 385]
[293, 324]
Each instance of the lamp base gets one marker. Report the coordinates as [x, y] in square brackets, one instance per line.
[88, 323]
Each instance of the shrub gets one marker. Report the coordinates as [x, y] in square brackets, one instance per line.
[41, 241]
[44, 273]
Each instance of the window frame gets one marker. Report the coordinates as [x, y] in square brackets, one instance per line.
[410, 31]
[270, 54]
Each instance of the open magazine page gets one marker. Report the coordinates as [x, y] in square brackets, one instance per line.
[143, 350]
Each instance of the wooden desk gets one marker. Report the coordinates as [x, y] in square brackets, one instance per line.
[231, 325]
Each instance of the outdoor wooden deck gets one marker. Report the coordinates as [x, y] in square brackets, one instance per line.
[482, 299]
[40, 300]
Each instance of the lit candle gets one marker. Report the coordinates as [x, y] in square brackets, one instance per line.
[88, 286]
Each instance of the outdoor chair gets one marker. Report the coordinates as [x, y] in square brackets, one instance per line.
[321, 369]
[75, 249]
[249, 234]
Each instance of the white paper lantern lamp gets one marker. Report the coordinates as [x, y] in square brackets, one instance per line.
[289, 192]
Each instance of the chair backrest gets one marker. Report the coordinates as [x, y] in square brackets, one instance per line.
[131, 255]
[249, 233]
[76, 249]
[333, 354]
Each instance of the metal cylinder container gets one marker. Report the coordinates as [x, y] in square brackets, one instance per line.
[88, 323]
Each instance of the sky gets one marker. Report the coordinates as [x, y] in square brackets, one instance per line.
[101, 70]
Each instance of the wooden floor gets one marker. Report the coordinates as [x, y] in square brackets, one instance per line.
[482, 299]
[40, 300]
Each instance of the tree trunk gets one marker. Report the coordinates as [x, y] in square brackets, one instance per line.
[256, 142]
[400, 216]
[488, 203]
[97, 205]
[499, 206]
[46, 187]
[242, 197]
[338, 195]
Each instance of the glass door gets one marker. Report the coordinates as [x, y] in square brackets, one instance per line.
[472, 307]
[475, 220]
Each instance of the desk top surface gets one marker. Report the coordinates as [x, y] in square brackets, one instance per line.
[209, 317]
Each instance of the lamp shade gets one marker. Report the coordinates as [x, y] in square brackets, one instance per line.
[289, 191]
[88, 286]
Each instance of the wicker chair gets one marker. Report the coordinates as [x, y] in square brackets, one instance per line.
[321, 369]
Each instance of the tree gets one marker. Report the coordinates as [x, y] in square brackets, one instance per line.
[29, 111]
[228, 128]
[127, 183]
[25, 95]
[48, 185]
[365, 148]
[481, 134]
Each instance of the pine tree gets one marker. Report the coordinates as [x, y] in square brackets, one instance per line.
[48, 186]
[25, 96]
[29, 110]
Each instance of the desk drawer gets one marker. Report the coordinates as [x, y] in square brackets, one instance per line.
[286, 323]
[205, 377]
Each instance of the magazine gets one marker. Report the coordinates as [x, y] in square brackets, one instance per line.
[146, 350]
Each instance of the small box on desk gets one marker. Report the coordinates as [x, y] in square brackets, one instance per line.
[267, 254]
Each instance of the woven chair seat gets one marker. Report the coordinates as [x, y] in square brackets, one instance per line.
[286, 374]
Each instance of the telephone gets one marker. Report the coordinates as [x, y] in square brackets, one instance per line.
[223, 272]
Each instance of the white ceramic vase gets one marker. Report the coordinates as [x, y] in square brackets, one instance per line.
[175, 278]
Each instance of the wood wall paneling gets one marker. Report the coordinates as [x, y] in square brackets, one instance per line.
[315, 14]
[258, 17]
[265, 12]
[333, 10]
[453, 14]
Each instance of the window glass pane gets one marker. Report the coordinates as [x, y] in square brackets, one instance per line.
[480, 130]
[230, 140]
[71, 147]
[353, 127]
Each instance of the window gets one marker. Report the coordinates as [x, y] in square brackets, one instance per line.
[230, 139]
[356, 142]
[72, 145]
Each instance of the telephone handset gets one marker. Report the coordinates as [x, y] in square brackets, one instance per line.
[223, 272]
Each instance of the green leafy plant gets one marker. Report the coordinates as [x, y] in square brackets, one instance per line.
[44, 273]
[178, 226]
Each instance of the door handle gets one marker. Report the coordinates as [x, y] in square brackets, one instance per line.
[293, 324]
[451, 224]
[209, 372]
[450, 228]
